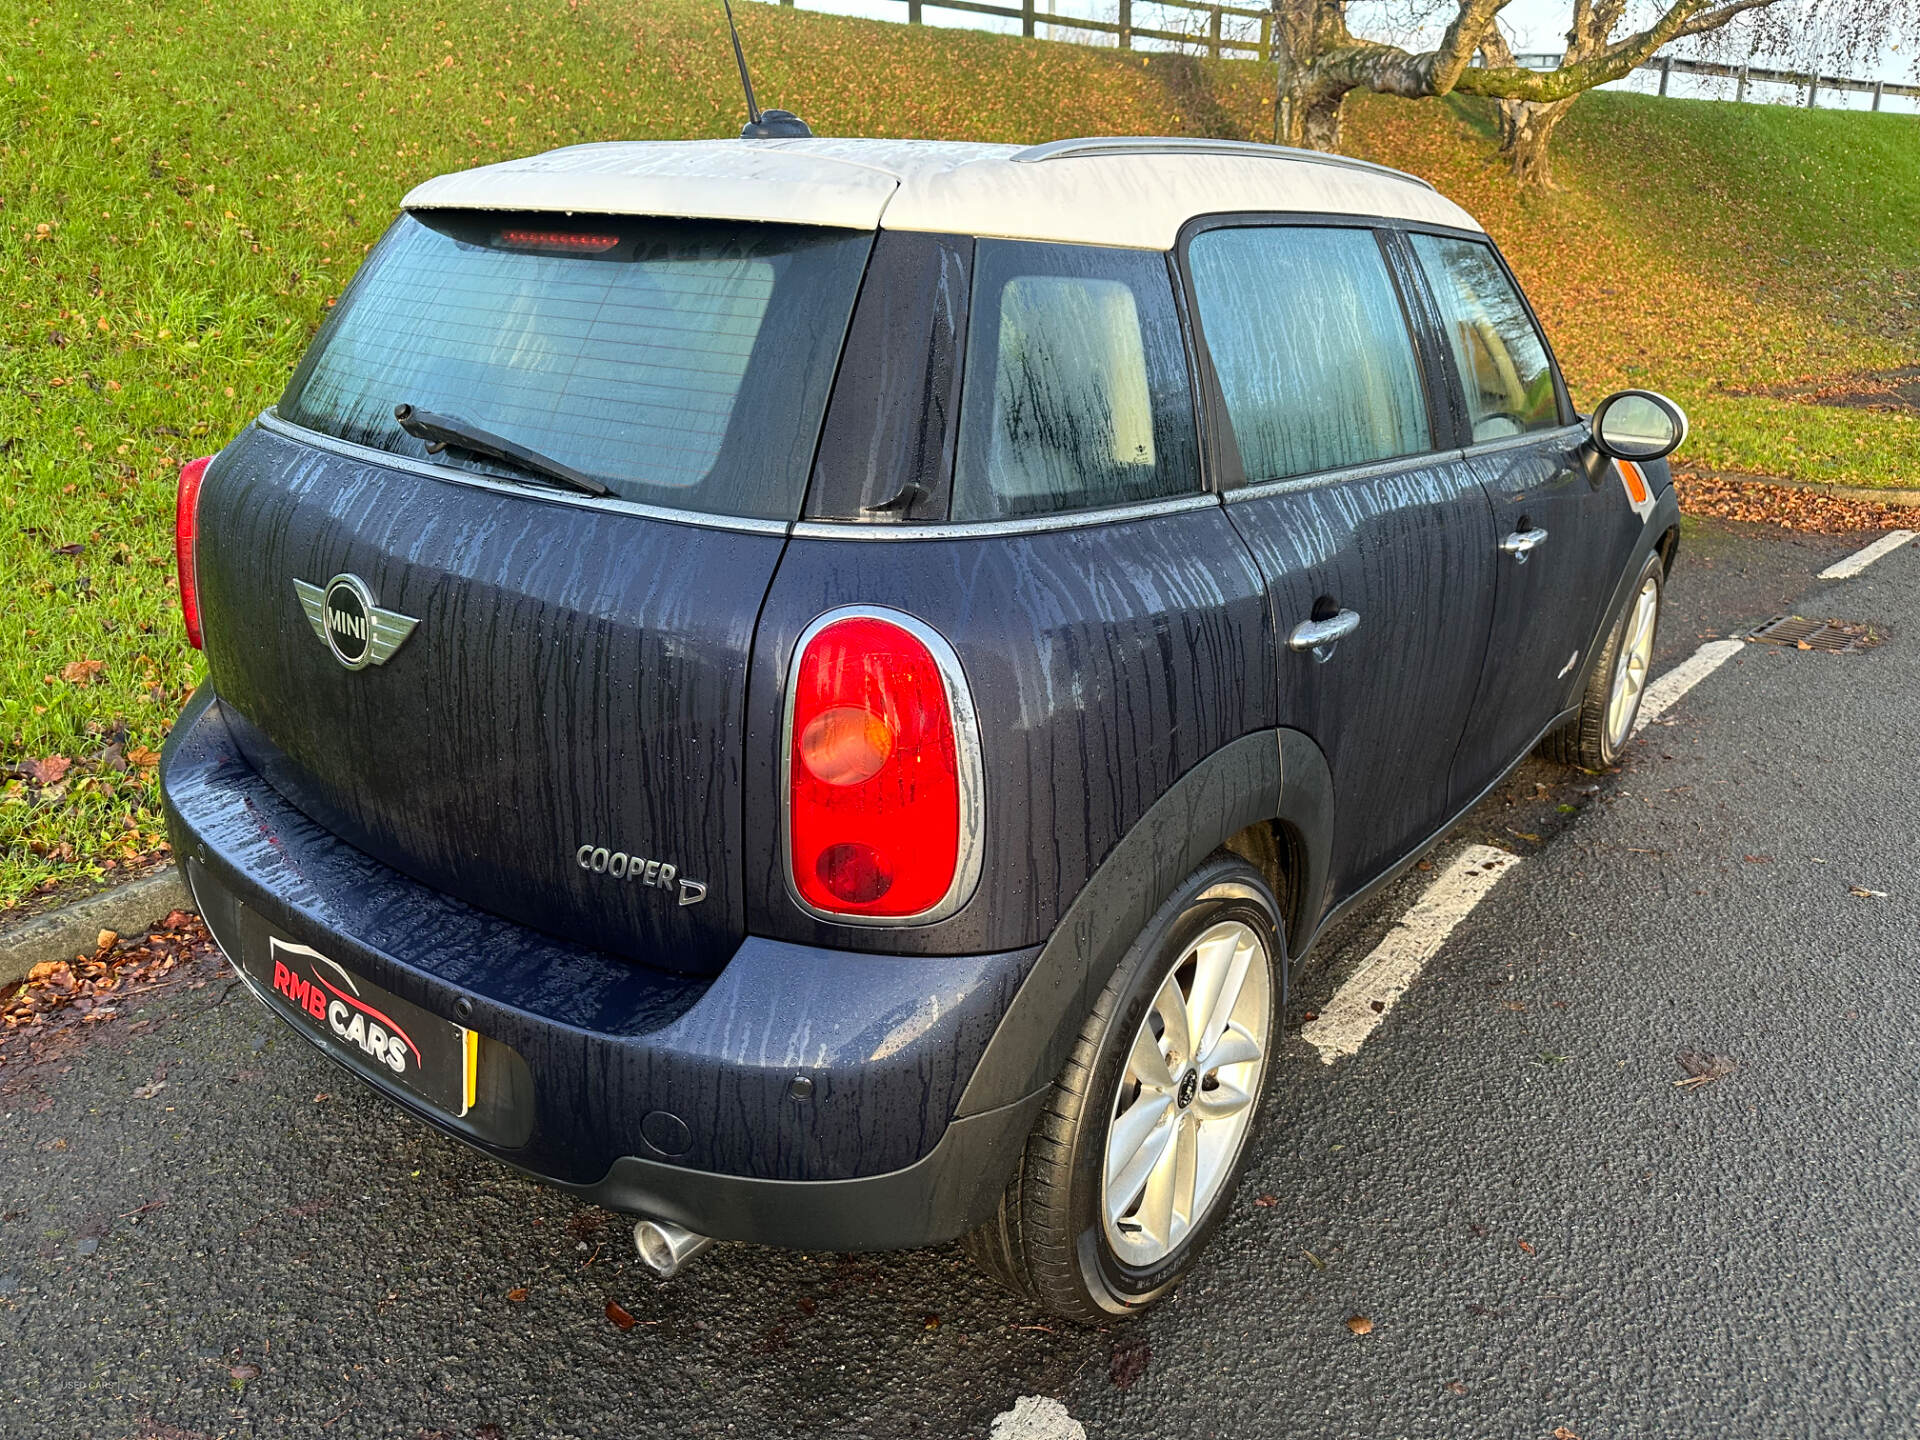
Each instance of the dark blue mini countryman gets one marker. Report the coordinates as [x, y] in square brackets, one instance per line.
[812, 690]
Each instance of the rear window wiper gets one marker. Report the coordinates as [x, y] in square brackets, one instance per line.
[440, 431]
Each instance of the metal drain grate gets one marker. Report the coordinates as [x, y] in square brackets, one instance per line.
[1836, 637]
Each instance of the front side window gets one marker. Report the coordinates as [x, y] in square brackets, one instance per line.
[1076, 390]
[1311, 347]
[682, 363]
[1502, 360]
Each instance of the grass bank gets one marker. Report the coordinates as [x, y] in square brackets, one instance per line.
[183, 189]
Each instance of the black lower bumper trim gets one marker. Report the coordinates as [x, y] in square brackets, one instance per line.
[936, 1199]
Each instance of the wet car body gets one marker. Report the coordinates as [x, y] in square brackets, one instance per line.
[556, 815]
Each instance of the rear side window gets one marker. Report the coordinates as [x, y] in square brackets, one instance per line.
[684, 363]
[1502, 360]
[1311, 347]
[1076, 391]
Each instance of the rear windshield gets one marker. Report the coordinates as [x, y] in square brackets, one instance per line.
[683, 363]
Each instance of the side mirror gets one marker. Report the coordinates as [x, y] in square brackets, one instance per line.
[1638, 425]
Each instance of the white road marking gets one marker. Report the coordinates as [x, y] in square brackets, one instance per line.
[1396, 962]
[1036, 1417]
[1665, 692]
[1851, 566]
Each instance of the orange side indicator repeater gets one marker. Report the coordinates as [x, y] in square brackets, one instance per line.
[1635, 482]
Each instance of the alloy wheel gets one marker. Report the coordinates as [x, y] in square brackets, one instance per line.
[1187, 1096]
[1630, 669]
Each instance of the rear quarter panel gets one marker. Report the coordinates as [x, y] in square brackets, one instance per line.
[1104, 662]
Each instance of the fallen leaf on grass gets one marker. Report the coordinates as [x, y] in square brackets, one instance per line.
[1731, 498]
[81, 672]
[619, 1315]
[517, 1294]
[1360, 1324]
[50, 771]
[140, 757]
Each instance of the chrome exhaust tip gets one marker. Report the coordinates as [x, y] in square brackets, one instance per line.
[666, 1248]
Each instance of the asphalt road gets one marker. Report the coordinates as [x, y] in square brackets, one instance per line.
[1549, 1236]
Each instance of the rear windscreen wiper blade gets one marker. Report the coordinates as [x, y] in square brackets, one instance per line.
[440, 431]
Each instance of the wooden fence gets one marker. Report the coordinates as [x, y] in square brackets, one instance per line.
[1257, 41]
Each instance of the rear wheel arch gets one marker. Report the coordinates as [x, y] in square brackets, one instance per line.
[1266, 797]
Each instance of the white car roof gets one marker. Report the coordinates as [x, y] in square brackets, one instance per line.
[1116, 191]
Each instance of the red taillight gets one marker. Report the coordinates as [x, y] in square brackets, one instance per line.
[186, 533]
[882, 771]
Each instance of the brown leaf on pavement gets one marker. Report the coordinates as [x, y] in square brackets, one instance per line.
[1129, 1362]
[1702, 1069]
[517, 1294]
[617, 1313]
[1360, 1324]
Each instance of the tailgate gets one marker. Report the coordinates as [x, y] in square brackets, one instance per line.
[556, 740]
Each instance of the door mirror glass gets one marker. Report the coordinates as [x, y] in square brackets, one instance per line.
[1638, 425]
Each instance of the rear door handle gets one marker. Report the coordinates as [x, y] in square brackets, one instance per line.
[1521, 543]
[1320, 636]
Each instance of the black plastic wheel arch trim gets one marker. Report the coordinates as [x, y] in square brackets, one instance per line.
[1237, 786]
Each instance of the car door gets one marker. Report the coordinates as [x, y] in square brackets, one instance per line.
[1341, 484]
[1557, 537]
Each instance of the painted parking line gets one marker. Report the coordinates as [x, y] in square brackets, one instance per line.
[1851, 566]
[1663, 693]
[1359, 1006]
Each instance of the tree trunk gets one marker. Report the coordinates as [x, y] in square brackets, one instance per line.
[1307, 99]
[1309, 114]
[1526, 135]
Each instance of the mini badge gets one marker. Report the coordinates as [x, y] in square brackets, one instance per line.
[356, 630]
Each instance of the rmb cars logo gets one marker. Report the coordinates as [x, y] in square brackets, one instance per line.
[343, 614]
[298, 977]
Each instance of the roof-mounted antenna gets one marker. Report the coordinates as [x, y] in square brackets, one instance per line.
[762, 124]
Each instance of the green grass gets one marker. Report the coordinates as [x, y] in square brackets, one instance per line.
[184, 188]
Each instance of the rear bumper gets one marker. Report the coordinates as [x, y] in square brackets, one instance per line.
[636, 1088]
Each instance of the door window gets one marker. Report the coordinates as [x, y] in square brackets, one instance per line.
[1076, 389]
[1502, 360]
[1311, 347]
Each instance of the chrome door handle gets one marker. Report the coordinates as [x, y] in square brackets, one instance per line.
[1320, 636]
[1521, 543]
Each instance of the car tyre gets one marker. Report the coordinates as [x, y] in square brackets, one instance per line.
[1596, 736]
[1071, 1233]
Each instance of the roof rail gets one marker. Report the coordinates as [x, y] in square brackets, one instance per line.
[1180, 145]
